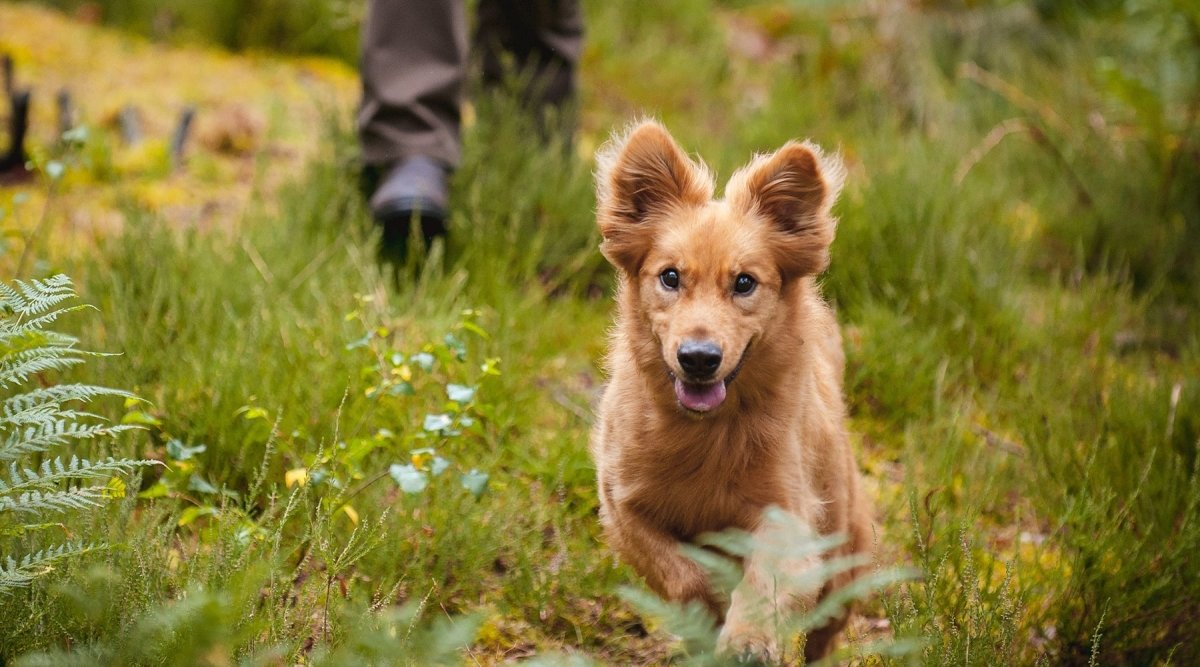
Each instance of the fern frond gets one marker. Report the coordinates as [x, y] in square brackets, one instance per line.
[15, 337]
[15, 369]
[37, 323]
[35, 503]
[57, 394]
[18, 573]
[55, 471]
[36, 420]
[33, 414]
[10, 299]
[15, 344]
[43, 414]
[36, 296]
[41, 295]
[40, 438]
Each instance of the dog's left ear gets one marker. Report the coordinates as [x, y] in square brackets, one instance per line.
[793, 190]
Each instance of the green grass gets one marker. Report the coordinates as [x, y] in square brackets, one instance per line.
[1020, 324]
[326, 27]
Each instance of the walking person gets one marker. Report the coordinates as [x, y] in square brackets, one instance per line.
[414, 65]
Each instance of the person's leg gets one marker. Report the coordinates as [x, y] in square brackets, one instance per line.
[414, 57]
[544, 39]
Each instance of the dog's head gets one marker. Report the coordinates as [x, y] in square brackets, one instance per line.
[708, 275]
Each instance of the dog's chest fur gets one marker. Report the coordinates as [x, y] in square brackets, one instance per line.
[710, 476]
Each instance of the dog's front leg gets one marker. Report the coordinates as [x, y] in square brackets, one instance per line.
[776, 583]
[658, 557]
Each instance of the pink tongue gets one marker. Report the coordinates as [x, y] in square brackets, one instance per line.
[700, 397]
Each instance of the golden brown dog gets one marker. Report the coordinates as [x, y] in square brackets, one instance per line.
[725, 395]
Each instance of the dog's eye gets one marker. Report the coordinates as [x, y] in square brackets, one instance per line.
[669, 278]
[744, 284]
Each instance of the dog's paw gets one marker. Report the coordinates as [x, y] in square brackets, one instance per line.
[689, 583]
[749, 645]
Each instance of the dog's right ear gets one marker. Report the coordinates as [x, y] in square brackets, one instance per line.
[640, 177]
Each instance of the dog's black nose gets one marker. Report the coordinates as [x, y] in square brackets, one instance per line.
[699, 359]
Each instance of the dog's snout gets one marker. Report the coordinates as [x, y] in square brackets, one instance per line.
[699, 359]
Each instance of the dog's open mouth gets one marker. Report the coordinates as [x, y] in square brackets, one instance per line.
[700, 397]
[705, 396]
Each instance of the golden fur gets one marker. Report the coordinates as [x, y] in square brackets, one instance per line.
[667, 473]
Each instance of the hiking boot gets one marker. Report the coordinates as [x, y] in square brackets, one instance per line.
[412, 191]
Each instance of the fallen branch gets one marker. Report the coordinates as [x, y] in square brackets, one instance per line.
[1016, 96]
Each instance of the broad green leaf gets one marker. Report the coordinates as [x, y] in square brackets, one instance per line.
[178, 451]
[250, 412]
[459, 393]
[192, 513]
[402, 389]
[475, 481]
[201, 485]
[438, 422]
[490, 366]
[423, 359]
[475, 329]
[158, 490]
[360, 342]
[140, 418]
[438, 465]
[456, 345]
[409, 478]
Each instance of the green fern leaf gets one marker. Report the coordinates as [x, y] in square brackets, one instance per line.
[35, 421]
[16, 368]
[43, 414]
[18, 344]
[58, 394]
[36, 503]
[36, 296]
[18, 573]
[39, 438]
[55, 472]
[37, 323]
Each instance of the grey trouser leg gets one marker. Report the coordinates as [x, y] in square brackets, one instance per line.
[544, 38]
[414, 56]
[414, 62]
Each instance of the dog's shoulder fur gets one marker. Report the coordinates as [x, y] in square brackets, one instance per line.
[665, 473]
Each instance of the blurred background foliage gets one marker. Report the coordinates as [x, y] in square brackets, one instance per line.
[316, 27]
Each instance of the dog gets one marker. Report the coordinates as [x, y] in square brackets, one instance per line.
[725, 371]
